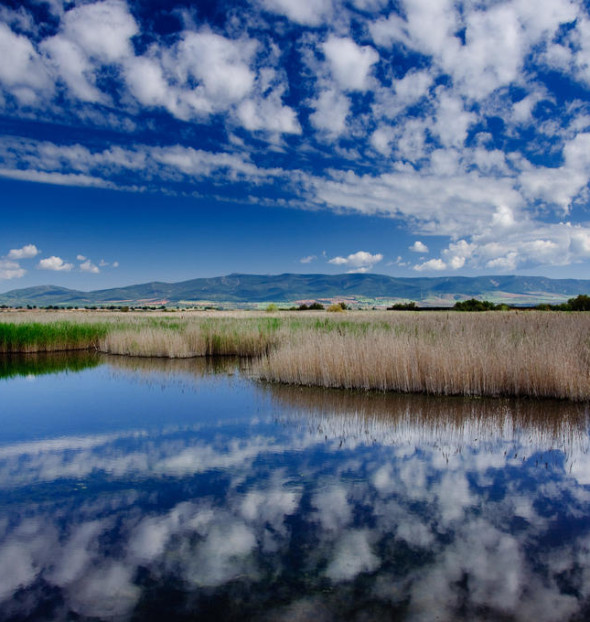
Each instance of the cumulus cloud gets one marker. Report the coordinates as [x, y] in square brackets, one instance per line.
[54, 263]
[361, 261]
[432, 264]
[419, 247]
[22, 71]
[350, 63]
[310, 13]
[88, 266]
[26, 252]
[308, 259]
[11, 269]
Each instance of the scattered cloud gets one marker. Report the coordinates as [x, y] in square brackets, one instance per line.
[437, 115]
[308, 259]
[361, 261]
[56, 264]
[419, 247]
[26, 252]
[88, 266]
[10, 270]
[309, 13]
[431, 264]
[350, 63]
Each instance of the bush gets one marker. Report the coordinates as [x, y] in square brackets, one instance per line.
[336, 308]
[401, 306]
[271, 308]
[580, 303]
[474, 305]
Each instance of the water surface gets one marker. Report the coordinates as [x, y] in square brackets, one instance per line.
[136, 489]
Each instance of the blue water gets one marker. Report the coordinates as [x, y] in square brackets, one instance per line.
[185, 490]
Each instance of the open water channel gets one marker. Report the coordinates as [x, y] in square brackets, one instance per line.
[138, 489]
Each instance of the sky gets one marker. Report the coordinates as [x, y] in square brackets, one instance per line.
[166, 140]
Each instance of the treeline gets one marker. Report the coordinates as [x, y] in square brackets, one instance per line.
[579, 303]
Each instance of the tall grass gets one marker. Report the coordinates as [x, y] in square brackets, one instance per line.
[511, 354]
[248, 337]
[53, 337]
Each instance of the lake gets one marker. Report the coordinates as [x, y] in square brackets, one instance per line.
[139, 489]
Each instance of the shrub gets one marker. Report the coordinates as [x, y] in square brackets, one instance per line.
[580, 303]
[474, 305]
[336, 308]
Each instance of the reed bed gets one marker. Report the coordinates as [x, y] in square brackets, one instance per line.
[493, 354]
[246, 337]
[49, 337]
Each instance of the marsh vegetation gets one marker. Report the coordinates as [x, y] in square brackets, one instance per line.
[535, 354]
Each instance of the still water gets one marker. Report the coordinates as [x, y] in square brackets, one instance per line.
[185, 490]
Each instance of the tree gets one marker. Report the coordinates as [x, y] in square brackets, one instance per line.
[579, 303]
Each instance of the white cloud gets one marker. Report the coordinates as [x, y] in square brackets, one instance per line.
[431, 264]
[102, 29]
[419, 247]
[90, 36]
[331, 110]
[308, 259]
[361, 261]
[11, 269]
[88, 266]
[26, 252]
[81, 258]
[56, 264]
[350, 63]
[308, 13]
[22, 71]
[268, 114]
[58, 179]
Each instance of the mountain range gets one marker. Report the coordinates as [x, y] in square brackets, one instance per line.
[367, 289]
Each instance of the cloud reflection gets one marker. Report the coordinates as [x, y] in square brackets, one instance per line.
[336, 503]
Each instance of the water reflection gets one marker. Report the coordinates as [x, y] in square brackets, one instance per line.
[41, 363]
[319, 505]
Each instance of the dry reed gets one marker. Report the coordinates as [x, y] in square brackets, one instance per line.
[493, 354]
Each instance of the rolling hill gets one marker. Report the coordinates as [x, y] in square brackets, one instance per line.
[362, 288]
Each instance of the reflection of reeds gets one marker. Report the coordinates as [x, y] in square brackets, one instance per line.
[198, 367]
[46, 363]
[359, 416]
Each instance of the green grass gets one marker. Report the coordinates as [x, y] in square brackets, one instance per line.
[50, 337]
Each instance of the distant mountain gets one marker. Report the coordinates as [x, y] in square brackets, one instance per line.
[364, 288]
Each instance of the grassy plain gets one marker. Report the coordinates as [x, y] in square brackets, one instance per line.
[516, 353]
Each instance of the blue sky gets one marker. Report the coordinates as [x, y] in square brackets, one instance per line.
[162, 140]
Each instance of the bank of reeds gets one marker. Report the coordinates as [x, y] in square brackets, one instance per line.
[502, 354]
[49, 337]
[247, 337]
